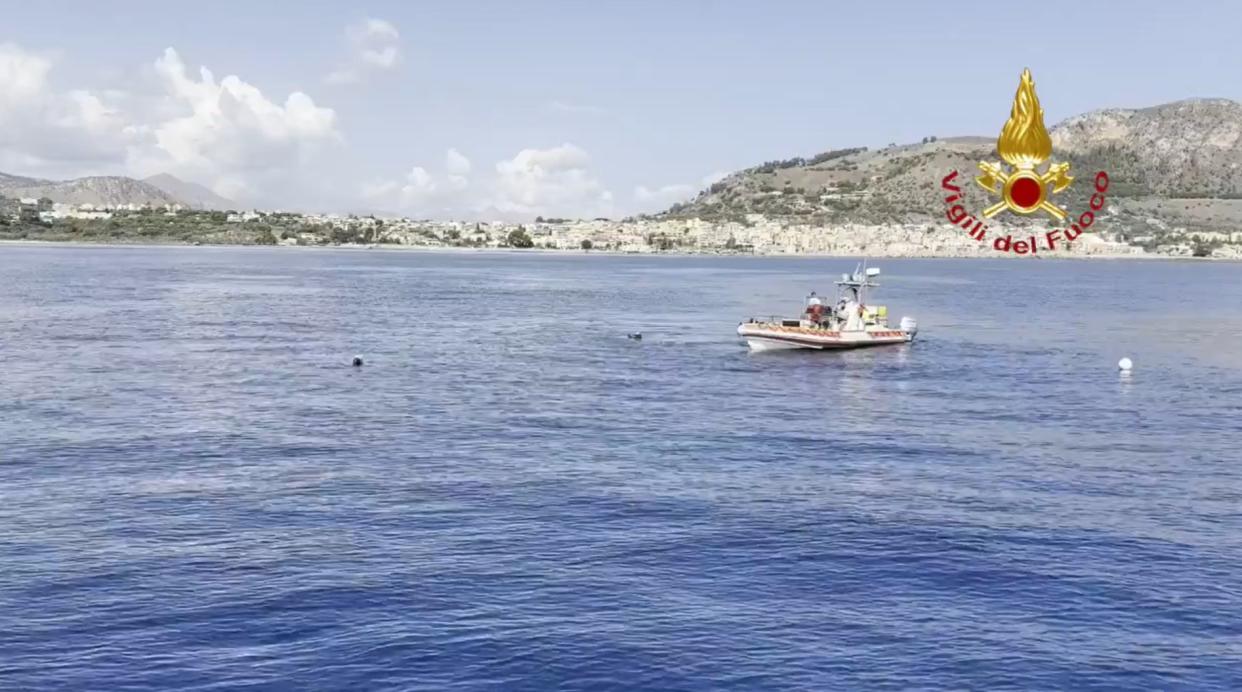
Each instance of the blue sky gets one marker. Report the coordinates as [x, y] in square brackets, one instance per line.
[556, 107]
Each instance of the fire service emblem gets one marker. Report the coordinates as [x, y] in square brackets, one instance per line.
[1024, 181]
[1024, 144]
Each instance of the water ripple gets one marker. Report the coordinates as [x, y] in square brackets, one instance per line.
[197, 492]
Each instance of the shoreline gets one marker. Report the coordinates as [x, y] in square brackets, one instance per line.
[394, 247]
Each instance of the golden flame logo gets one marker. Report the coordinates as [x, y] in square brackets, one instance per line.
[1024, 144]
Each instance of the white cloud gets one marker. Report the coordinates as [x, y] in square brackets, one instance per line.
[456, 164]
[659, 198]
[225, 134]
[263, 149]
[665, 195]
[232, 125]
[373, 30]
[419, 185]
[24, 76]
[424, 193]
[42, 129]
[550, 181]
[382, 58]
[228, 132]
[374, 45]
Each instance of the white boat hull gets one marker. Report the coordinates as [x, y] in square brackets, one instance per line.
[767, 336]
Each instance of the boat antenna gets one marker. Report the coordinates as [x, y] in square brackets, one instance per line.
[862, 289]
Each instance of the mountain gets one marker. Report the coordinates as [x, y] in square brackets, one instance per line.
[111, 190]
[191, 194]
[1179, 162]
[105, 190]
[1182, 149]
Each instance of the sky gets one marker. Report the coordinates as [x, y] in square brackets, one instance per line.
[509, 110]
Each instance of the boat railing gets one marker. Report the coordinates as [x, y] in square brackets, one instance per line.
[773, 319]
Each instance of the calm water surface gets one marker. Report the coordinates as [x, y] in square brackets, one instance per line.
[197, 492]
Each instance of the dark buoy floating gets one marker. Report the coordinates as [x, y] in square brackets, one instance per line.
[636, 336]
[357, 361]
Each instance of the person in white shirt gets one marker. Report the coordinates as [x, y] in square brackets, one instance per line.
[814, 307]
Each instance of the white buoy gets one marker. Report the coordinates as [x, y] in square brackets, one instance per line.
[1125, 364]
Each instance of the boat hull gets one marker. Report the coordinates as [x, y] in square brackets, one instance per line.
[761, 336]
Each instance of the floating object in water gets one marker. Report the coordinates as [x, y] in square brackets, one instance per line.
[357, 361]
[636, 336]
[1125, 364]
[848, 323]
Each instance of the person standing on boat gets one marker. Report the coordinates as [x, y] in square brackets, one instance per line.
[814, 307]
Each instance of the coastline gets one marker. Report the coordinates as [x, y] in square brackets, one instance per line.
[394, 247]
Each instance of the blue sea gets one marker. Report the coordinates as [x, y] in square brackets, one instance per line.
[198, 492]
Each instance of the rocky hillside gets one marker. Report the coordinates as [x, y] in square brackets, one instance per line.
[1180, 162]
[1190, 149]
[114, 190]
[191, 194]
[110, 190]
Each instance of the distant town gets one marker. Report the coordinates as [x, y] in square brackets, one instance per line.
[43, 219]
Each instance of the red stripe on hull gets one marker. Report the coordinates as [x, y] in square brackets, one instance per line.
[824, 345]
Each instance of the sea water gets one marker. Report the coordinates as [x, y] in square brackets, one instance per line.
[197, 490]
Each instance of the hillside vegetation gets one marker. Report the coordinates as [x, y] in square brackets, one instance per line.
[1180, 163]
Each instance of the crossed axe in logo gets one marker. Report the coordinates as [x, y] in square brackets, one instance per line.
[996, 181]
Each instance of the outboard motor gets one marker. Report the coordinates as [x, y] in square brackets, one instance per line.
[910, 325]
